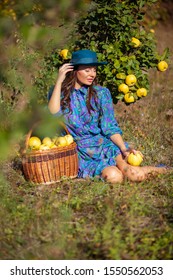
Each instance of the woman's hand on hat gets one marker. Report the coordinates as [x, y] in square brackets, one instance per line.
[63, 70]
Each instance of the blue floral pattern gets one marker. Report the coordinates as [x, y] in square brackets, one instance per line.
[92, 131]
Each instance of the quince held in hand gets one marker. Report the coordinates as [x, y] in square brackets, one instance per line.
[135, 159]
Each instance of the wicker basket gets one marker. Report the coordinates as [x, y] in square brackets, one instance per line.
[50, 166]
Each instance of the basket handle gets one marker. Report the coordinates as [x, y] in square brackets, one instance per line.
[64, 126]
[30, 132]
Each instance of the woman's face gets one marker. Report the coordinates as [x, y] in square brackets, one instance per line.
[85, 75]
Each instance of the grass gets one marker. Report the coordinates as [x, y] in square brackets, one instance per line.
[87, 220]
[91, 219]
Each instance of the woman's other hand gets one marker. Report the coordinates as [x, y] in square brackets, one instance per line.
[129, 151]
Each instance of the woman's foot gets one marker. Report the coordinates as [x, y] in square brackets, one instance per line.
[137, 173]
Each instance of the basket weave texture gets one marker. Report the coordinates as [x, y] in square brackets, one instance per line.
[50, 166]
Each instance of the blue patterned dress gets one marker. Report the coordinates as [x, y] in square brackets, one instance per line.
[92, 131]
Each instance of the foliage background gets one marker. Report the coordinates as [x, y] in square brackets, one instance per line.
[108, 28]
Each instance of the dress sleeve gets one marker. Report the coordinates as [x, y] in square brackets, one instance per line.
[59, 113]
[107, 122]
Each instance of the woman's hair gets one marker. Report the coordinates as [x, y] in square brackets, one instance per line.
[67, 87]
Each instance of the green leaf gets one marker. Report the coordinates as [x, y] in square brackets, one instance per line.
[165, 54]
[120, 96]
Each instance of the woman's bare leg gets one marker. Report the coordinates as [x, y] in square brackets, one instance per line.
[137, 173]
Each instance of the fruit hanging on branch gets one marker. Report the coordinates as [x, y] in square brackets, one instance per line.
[63, 53]
[162, 66]
[135, 42]
[129, 98]
[115, 31]
[141, 92]
[131, 80]
[123, 88]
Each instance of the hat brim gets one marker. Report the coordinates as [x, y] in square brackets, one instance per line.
[90, 64]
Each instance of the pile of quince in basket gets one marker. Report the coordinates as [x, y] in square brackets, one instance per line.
[36, 144]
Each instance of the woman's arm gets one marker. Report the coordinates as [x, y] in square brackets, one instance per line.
[118, 140]
[54, 102]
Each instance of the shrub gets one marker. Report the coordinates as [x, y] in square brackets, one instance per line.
[116, 31]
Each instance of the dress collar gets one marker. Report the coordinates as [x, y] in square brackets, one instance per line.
[83, 89]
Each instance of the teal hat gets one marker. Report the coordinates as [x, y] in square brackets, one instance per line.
[85, 57]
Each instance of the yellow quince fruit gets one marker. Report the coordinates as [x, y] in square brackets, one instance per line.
[34, 143]
[61, 141]
[44, 147]
[135, 159]
[69, 139]
[162, 66]
[129, 98]
[123, 88]
[141, 92]
[131, 80]
[63, 53]
[136, 42]
[47, 141]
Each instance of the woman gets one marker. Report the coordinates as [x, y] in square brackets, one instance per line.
[89, 116]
